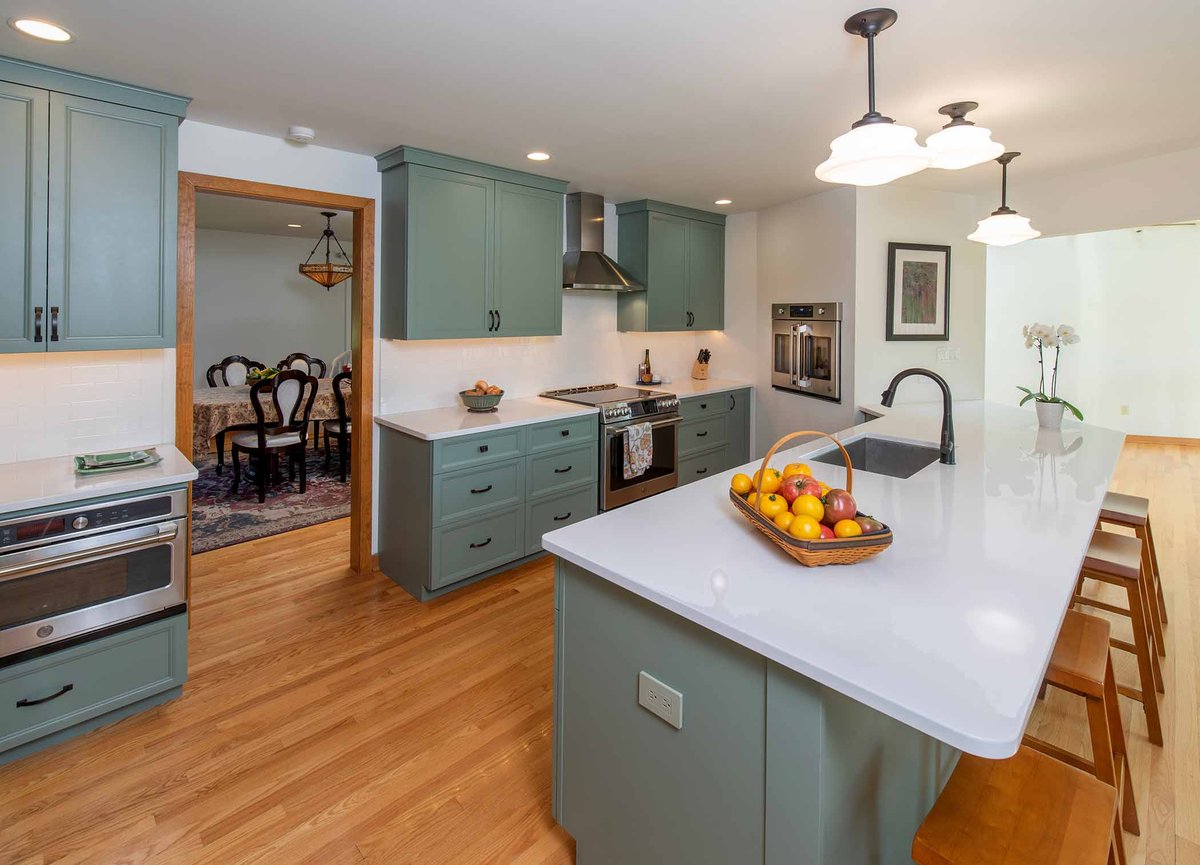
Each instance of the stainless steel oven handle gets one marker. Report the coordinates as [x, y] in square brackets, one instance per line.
[614, 431]
[32, 561]
[803, 379]
[794, 330]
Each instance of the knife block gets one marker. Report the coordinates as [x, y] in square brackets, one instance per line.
[699, 371]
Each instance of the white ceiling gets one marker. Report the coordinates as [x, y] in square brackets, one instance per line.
[683, 100]
[227, 213]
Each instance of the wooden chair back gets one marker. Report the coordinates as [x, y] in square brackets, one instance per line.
[314, 366]
[292, 393]
[339, 397]
[231, 371]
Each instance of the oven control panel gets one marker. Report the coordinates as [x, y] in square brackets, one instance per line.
[63, 524]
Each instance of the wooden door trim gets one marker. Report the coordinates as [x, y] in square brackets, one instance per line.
[362, 329]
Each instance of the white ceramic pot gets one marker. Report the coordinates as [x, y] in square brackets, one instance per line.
[1050, 414]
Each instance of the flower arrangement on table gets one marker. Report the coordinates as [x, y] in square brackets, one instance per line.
[1044, 337]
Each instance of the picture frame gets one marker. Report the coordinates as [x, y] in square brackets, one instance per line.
[918, 292]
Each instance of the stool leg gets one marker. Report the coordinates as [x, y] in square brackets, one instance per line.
[1150, 616]
[1129, 817]
[1158, 590]
[1145, 658]
[1154, 614]
[1104, 759]
[1118, 841]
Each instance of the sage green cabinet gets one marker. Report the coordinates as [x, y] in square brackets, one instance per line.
[714, 435]
[468, 249]
[88, 212]
[679, 255]
[737, 427]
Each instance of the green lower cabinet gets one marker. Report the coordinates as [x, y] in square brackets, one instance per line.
[737, 427]
[477, 490]
[563, 469]
[702, 434]
[556, 512]
[715, 433]
[481, 543]
[699, 466]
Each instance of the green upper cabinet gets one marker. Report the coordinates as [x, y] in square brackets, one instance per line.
[679, 254]
[468, 250]
[89, 210]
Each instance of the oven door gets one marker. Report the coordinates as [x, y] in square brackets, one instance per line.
[62, 590]
[662, 475]
[820, 359]
[785, 353]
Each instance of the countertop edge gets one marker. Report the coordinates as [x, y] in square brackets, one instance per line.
[569, 411]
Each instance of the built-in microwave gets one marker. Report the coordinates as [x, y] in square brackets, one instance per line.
[806, 348]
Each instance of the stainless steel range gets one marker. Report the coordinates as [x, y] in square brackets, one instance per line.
[619, 408]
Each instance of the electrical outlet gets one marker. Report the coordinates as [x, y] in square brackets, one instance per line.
[947, 355]
[662, 700]
[1124, 409]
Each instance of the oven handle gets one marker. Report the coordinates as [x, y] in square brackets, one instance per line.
[616, 431]
[32, 561]
[803, 379]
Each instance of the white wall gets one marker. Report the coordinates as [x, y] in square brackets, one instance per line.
[1134, 295]
[902, 214]
[251, 300]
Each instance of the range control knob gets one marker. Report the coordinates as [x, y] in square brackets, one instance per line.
[79, 523]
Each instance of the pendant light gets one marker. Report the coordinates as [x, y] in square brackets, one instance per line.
[1004, 227]
[327, 274]
[876, 150]
[960, 143]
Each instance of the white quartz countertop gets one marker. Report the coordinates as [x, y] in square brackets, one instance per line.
[42, 483]
[950, 629]
[439, 423]
[685, 387]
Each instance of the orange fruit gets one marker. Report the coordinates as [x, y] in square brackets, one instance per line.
[741, 484]
[796, 469]
[772, 506]
[847, 529]
[784, 520]
[805, 528]
[809, 506]
[768, 484]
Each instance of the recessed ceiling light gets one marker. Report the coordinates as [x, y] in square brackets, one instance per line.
[723, 201]
[40, 29]
[537, 156]
[294, 225]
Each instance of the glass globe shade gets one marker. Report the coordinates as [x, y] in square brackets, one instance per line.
[1004, 229]
[873, 154]
[962, 146]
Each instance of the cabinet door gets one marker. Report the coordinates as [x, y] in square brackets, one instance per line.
[113, 213]
[737, 428]
[449, 247]
[527, 287]
[667, 273]
[706, 275]
[24, 130]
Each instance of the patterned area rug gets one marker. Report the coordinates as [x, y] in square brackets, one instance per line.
[220, 518]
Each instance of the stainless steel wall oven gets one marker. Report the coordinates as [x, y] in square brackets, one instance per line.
[806, 348]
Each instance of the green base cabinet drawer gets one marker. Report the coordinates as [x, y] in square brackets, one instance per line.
[556, 512]
[472, 491]
[702, 465]
[557, 434]
[477, 545]
[701, 435]
[564, 468]
[90, 679]
[466, 451]
[703, 406]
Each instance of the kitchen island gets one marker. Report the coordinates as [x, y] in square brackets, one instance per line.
[820, 710]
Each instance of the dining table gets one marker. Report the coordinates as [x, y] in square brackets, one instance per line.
[218, 408]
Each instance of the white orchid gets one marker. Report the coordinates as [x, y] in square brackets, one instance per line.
[1067, 334]
[1044, 336]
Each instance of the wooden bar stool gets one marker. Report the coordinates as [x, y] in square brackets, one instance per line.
[1117, 560]
[1081, 665]
[1133, 512]
[1026, 810]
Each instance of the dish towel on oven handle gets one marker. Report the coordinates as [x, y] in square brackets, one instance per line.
[639, 450]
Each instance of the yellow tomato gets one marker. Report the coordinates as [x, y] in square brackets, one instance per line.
[796, 469]
[768, 484]
[809, 506]
[752, 499]
[772, 506]
[805, 528]
[784, 520]
[847, 529]
[824, 487]
[741, 484]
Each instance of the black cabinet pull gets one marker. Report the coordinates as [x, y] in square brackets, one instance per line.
[565, 516]
[703, 405]
[702, 471]
[37, 323]
[484, 544]
[732, 402]
[565, 432]
[563, 471]
[486, 489]
[21, 704]
[497, 319]
[54, 324]
[701, 435]
[491, 320]
[483, 449]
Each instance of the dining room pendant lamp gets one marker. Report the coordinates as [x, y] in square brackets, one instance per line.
[327, 273]
[1005, 226]
[960, 143]
[876, 150]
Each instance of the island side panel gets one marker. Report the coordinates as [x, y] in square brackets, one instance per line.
[631, 788]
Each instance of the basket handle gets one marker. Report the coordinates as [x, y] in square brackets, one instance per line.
[766, 462]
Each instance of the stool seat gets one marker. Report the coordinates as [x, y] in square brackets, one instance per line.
[1027, 810]
[1124, 509]
[1080, 658]
[1115, 555]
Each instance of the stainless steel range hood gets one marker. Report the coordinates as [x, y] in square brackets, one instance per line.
[585, 266]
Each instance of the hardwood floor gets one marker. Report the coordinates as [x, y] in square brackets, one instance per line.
[331, 719]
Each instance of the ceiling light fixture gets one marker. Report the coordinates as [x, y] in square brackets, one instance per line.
[723, 201]
[876, 150]
[537, 156]
[327, 274]
[960, 143]
[1004, 227]
[38, 29]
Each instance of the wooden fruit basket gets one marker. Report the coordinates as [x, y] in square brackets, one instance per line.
[823, 551]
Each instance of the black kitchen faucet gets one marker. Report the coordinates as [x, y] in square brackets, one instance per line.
[947, 446]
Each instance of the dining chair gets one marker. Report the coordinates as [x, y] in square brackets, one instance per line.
[342, 361]
[292, 393]
[340, 428]
[314, 366]
[231, 371]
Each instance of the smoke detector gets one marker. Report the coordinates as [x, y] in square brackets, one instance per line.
[301, 134]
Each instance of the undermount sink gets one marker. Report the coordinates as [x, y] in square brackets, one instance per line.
[882, 456]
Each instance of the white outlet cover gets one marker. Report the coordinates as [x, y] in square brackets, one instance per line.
[660, 699]
[948, 355]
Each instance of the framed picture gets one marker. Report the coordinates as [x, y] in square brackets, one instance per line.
[918, 292]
